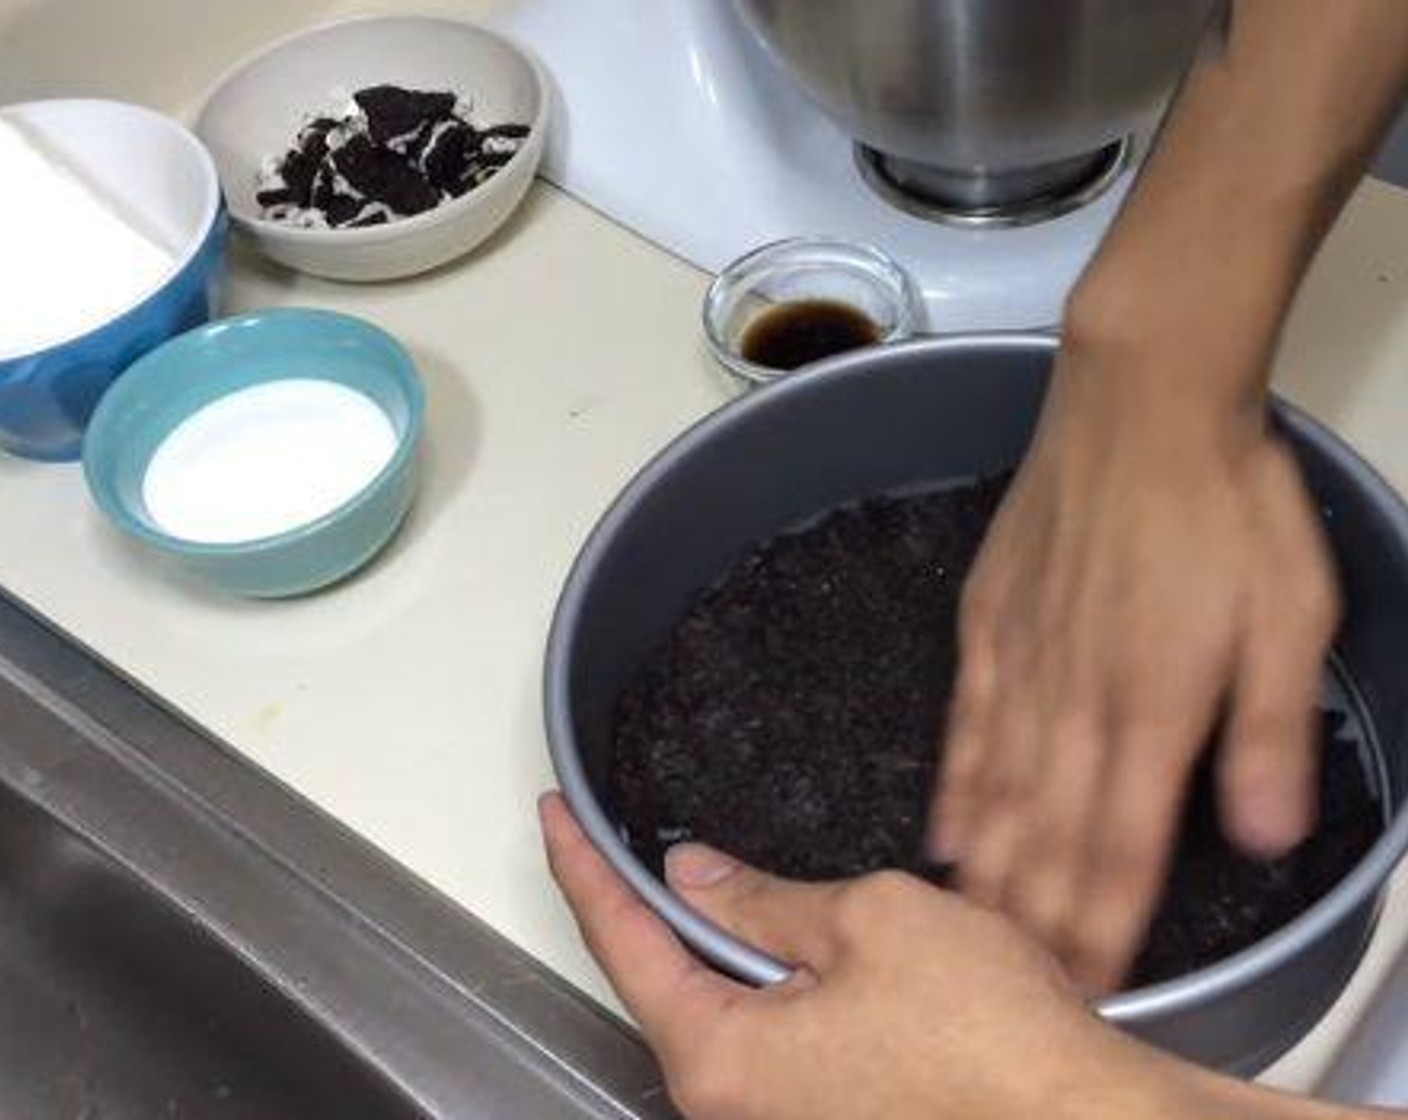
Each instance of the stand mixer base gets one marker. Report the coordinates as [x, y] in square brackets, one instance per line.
[982, 199]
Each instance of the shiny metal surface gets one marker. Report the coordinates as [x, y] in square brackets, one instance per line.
[181, 936]
[1372, 1068]
[995, 98]
[1043, 197]
[112, 1004]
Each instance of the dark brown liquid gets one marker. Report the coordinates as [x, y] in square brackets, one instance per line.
[792, 334]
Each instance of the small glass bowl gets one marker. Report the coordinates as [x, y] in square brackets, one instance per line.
[806, 268]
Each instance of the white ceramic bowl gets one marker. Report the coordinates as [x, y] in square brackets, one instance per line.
[255, 111]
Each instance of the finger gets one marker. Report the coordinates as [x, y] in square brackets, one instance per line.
[1142, 799]
[662, 985]
[999, 816]
[1267, 770]
[790, 920]
[986, 600]
[1043, 893]
[965, 741]
[994, 826]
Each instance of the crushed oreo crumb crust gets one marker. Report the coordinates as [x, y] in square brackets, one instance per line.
[794, 716]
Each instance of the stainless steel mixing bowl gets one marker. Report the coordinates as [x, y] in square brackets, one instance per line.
[986, 104]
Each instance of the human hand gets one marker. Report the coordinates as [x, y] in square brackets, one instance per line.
[907, 1003]
[1156, 564]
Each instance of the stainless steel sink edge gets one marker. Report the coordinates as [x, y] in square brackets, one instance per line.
[462, 1022]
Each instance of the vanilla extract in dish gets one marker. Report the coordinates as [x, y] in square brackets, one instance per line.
[789, 335]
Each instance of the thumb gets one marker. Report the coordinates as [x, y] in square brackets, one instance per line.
[787, 919]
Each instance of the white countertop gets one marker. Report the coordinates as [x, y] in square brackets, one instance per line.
[406, 702]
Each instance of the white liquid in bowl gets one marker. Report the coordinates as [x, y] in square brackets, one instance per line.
[265, 460]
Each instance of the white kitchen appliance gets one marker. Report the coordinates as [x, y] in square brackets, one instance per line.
[672, 120]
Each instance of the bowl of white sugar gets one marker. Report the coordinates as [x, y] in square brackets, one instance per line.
[275, 452]
[112, 240]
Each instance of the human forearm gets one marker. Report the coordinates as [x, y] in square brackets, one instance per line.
[1262, 147]
[1131, 602]
[908, 1004]
[1215, 1097]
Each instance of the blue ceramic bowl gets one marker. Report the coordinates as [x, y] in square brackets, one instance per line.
[178, 379]
[162, 172]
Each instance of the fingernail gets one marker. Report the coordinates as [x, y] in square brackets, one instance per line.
[1269, 826]
[940, 843]
[697, 866]
[945, 841]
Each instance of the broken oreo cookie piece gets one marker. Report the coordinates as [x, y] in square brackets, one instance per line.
[378, 174]
[300, 167]
[394, 153]
[448, 151]
[394, 115]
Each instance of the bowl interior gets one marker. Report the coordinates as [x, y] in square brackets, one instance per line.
[254, 113]
[176, 380]
[145, 166]
[792, 456]
[907, 418]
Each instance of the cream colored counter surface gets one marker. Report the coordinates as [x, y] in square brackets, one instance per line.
[406, 703]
